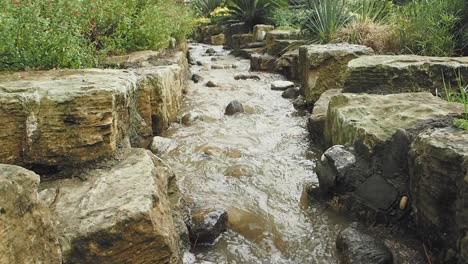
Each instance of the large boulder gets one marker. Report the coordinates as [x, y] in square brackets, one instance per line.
[119, 212]
[262, 62]
[324, 67]
[240, 41]
[259, 31]
[233, 29]
[288, 65]
[439, 188]
[316, 122]
[274, 35]
[62, 117]
[384, 74]
[28, 233]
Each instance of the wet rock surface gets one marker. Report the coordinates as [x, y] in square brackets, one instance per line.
[333, 166]
[196, 78]
[190, 118]
[355, 247]
[233, 108]
[162, 145]
[281, 85]
[28, 229]
[291, 93]
[207, 225]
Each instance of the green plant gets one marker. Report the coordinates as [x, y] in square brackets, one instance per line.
[428, 27]
[370, 10]
[324, 18]
[203, 8]
[458, 95]
[291, 17]
[252, 12]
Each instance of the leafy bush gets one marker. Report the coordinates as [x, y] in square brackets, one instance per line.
[45, 34]
[289, 17]
[324, 18]
[429, 27]
[203, 8]
[252, 12]
[370, 10]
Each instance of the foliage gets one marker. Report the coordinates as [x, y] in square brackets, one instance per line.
[219, 14]
[203, 8]
[383, 38]
[458, 94]
[428, 27]
[290, 17]
[46, 34]
[324, 18]
[252, 12]
[374, 11]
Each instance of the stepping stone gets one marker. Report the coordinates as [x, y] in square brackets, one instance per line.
[281, 85]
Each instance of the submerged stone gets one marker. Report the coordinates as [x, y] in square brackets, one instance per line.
[233, 108]
[206, 226]
[291, 93]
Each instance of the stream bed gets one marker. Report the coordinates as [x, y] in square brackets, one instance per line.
[255, 165]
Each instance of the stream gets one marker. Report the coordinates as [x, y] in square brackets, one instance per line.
[255, 165]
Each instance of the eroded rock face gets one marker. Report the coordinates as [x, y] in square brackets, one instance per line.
[316, 122]
[28, 233]
[384, 74]
[324, 67]
[119, 212]
[439, 187]
[75, 116]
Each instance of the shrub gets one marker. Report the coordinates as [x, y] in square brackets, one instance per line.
[380, 37]
[203, 8]
[252, 12]
[429, 27]
[289, 17]
[324, 18]
[370, 10]
[44, 34]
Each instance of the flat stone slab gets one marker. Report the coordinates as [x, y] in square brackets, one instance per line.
[27, 228]
[383, 74]
[281, 85]
[370, 120]
[64, 117]
[324, 67]
[118, 212]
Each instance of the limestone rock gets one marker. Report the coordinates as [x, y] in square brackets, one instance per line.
[333, 166]
[162, 145]
[210, 51]
[281, 85]
[355, 247]
[262, 62]
[260, 31]
[240, 41]
[383, 74]
[316, 122]
[121, 213]
[439, 188]
[368, 120]
[234, 29]
[211, 84]
[217, 39]
[206, 226]
[196, 78]
[190, 118]
[300, 103]
[247, 77]
[279, 47]
[288, 65]
[233, 108]
[273, 35]
[28, 233]
[239, 170]
[291, 93]
[203, 33]
[324, 67]
[62, 117]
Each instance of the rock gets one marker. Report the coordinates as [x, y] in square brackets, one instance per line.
[233, 29]
[64, 117]
[196, 78]
[316, 122]
[240, 41]
[281, 85]
[259, 31]
[210, 51]
[262, 62]
[233, 108]
[291, 93]
[256, 45]
[333, 166]
[239, 170]
[324, 67]
[206, 226]
[28, 233]
[273, 35]
[190, 118]
[162, 145]
[132, 60]
[385, 74]
[203, 33]
[367, 120]
[211, 151]
[288, 65]
[220, 67]
[199, 63]
[217, 40]
[247, 77]
[355, 247]
[279, 47]
[439, 189]
[121, 213]
[214, 59]
[300, 103]
[377, 193]
[211, 84]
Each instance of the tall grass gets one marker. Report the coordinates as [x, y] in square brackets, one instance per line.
[458, 94]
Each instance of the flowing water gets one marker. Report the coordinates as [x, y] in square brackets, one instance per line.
[255, 165]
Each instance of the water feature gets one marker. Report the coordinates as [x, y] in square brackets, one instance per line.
[254, 164]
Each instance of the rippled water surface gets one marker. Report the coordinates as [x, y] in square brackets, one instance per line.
[254, 164]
